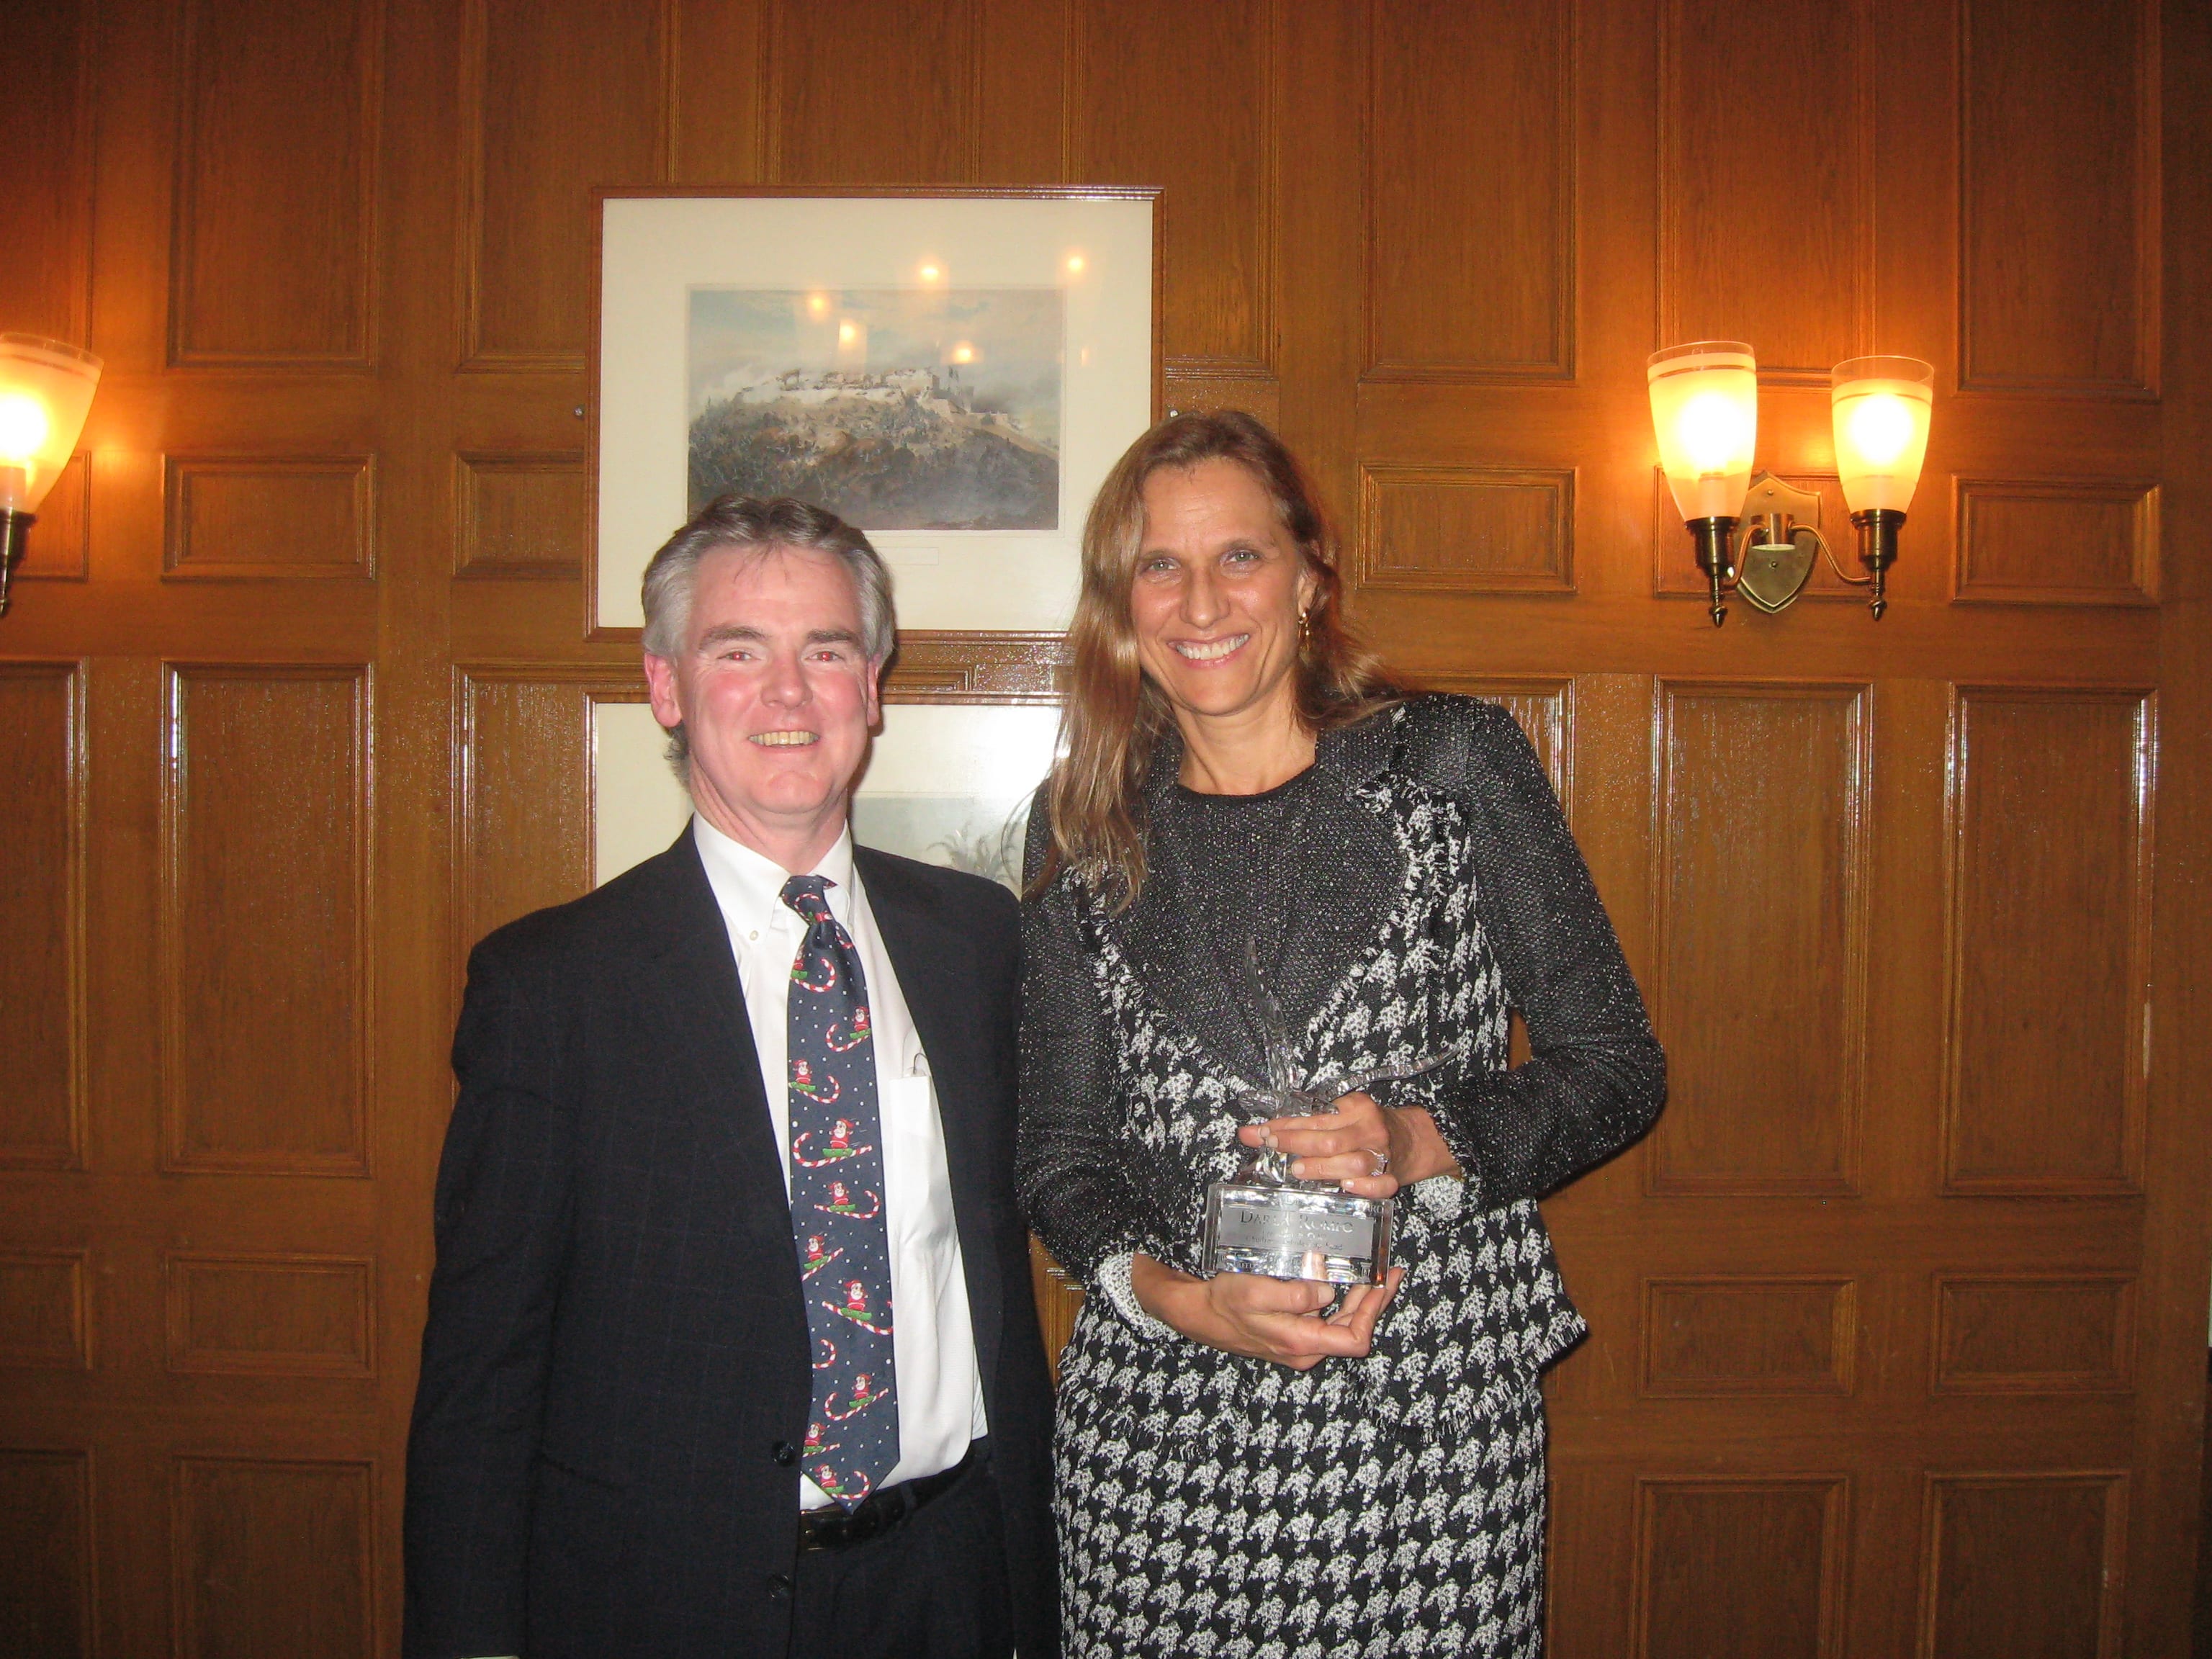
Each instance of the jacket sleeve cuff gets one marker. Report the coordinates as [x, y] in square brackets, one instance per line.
[1115, 1283]
[1455, 1128]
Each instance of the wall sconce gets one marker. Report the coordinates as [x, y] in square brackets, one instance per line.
[46, 390]
[1704, 409]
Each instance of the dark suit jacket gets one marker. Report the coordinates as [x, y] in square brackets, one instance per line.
[617, 1345]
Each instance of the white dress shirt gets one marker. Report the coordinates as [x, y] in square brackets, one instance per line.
[941, 1390]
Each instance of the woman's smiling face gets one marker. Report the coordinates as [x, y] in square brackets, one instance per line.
[1219, 587]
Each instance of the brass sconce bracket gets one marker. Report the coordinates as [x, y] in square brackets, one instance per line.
[1770, 560]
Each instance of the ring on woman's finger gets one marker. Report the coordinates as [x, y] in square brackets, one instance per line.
[1382, 1160]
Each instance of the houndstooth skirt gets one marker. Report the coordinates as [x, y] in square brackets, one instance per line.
[1336, 1535]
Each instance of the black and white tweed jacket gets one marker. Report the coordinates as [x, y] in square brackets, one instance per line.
[1435, 887]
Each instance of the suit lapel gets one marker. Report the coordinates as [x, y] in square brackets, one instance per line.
[937, 976]
[692, 992]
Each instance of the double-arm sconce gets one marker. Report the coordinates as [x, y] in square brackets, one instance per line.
[45, 389]
[1704, 406]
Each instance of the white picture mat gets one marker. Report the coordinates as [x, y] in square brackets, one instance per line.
[993, 755]
[656, 250]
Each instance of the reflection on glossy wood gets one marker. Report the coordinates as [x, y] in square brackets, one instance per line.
[520, 514]
[1729, 1335]
[42, 1310]
[1466, 529]
[1741, 1566]
[2048, 940]
[41, 915]
[2024, 1566]
[288, 516]
[2052, 542]
[1758, 842]
[45, 1554]
[2058, 196]
[271, 1315]
[1059, 1298]
[272, 1559]
[264, 921]
[276, 211]
[1470, 234]
[2035, 1333]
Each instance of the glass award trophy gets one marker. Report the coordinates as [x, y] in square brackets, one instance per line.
[1267, 1220]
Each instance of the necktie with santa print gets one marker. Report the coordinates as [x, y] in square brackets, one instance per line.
[837, 1207]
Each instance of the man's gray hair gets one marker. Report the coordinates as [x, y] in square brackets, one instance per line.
[748, 521]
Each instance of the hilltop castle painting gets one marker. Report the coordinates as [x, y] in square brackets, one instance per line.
[923, 409]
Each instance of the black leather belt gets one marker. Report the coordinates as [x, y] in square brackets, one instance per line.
[833, 1529]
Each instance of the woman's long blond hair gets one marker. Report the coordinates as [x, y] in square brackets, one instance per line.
[1116, 716]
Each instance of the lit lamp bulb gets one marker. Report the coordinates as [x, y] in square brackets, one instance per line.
[45, 389]
[1704, 411]
[1881, 407]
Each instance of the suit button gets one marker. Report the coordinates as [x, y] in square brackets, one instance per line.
[784, 1453]
[778, 1587]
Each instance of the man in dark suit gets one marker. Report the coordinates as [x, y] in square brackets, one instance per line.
[731, 1347]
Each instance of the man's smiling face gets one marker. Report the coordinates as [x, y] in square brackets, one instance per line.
[775, 692]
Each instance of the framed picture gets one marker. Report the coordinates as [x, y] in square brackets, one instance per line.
[947, 783]
[954, 372]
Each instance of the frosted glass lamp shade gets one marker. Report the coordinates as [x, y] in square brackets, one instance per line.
[1881, 407]
[1704, 409]
[45, 390]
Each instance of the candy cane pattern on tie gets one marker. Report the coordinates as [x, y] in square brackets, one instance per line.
[836, 1205]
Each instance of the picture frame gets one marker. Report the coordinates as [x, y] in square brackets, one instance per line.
[885, 350]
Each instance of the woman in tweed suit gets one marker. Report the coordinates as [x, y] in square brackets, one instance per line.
[1245, 1465]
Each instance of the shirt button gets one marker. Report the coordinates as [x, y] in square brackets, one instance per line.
[784, 1453]
[778, 1587]
[754, 934]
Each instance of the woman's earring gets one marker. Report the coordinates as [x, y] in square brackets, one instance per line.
[1305, 630]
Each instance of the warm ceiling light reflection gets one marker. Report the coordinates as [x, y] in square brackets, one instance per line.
[1075, 264]
[932, 272]
[847, 332]
[817, 306]
[963, 353]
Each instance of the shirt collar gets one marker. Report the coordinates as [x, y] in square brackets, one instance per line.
[749, 885]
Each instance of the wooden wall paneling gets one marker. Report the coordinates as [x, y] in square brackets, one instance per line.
[273, 1557]
[1003, 667]
[265, 919]
[521, 514]
[42, 1318]
[1470, 233]
[275, 256]
[1763, 1557]
[47, 1578]
[47, 133]
[522, 789]
[1159, 92]
[1730, 1334]
[42, 915]
[1058, 1299]
[1758, 835]
[295, 517]
[2034, 1333]
[1466, 529]
[718, 92]
[1767, 206]
[1022, 85]
[2058, 196]
[874, 91]
[270, 1315]
[2049, 947]
[2024, 1565]
[1544, 709]
[557, 96]
[2048, 541]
